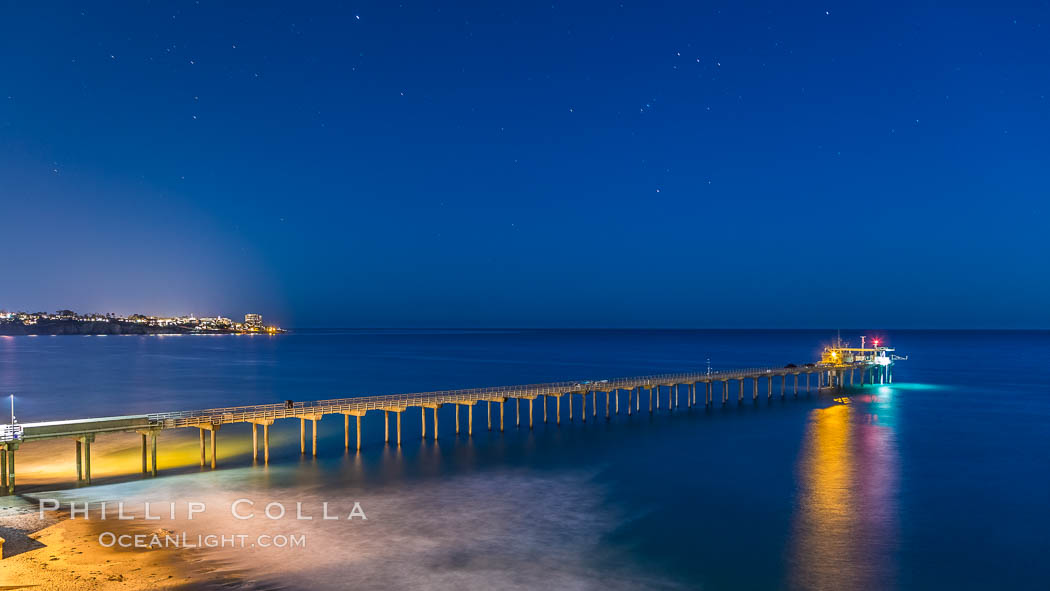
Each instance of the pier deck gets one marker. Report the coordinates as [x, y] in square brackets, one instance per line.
[84, 431]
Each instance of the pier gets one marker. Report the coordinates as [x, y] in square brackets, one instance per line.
[839, 367]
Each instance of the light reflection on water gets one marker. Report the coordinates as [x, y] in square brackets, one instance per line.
[844, 527]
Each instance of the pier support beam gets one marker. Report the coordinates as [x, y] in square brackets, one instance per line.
[594, 405]
[754, 389]
[557, 409]
[7, 467]
[435, 423]
[149, 451]
[386, 426]
[708, 389]
[470, 416]
[630, 393]
[656, 392]
[302, 432]
[783, 381]
[517, 413]
[530, 414]
[570, 406]
[769, 387]
[608, 394]
[80, 462]
[397, 410]
[501, 416]
[796, 385]
[740, 394]
[616, 395]
[651, 389]
[212, 428]
[153, 452]
[266, 443]
[725, 392]
[357, 414]
[85, 447]
[583, 406]
[544, 409]
[145, 464]
[488, 413]
[11, 447]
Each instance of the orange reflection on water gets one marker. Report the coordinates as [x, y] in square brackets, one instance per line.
[844, 523]
[53, 462]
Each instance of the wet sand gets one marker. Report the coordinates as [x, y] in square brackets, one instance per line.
[62, 554]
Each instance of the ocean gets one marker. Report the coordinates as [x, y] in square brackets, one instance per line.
[938, 480]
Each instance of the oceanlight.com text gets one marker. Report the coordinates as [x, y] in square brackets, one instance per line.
[157, 541]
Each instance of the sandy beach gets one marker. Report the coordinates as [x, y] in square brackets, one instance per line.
[57, 553]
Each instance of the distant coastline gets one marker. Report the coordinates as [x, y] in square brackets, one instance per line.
[68, 322]
[111, 327]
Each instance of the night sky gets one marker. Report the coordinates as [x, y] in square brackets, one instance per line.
[735, 164]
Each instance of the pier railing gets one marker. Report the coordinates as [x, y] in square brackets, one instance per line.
[259, 412]
[10, 432]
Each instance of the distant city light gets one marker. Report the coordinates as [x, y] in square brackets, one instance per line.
[190, 323]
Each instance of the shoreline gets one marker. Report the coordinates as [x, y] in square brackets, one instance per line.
[58, 553]
[132, 333]
[75, 327]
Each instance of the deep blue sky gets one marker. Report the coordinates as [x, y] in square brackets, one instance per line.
[735, 164]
